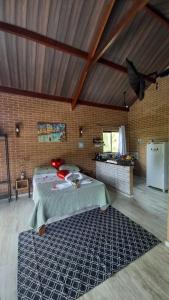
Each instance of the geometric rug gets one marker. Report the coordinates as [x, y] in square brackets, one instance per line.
[78, 253]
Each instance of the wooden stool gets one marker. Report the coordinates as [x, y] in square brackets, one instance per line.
[22, 184]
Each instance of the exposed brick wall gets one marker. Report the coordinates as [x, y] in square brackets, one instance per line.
[149, 119]
[28, 152]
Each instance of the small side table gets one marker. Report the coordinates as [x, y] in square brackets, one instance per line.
[22, 184]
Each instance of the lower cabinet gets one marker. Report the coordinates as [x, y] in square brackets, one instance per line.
[119, 177]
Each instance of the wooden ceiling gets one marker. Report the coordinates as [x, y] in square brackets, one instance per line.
[75, 50]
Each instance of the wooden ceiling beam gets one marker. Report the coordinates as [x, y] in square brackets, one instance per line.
[26, 93]
[41, 39]
[93, 48]
[123, 23]
[157, 15]
[93, 55]
[48, 42]
[114, 107]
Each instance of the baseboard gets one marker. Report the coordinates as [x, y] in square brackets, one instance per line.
[166, 244]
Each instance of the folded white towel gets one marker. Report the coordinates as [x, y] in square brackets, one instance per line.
[73, 176]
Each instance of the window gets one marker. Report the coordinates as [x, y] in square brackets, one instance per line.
[111, 140]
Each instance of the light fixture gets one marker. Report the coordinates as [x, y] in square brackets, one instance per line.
[81, 142]
[17, 129]
[125, 104]
[80, 131]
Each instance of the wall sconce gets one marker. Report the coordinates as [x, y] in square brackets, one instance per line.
[81, 142]
[18, 129]
[81, 131]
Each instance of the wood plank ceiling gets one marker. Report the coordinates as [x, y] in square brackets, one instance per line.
[46, 44]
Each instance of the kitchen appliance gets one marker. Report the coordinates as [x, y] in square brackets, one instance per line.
[157, 165]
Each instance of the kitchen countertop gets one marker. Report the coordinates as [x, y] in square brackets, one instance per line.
[118, 164]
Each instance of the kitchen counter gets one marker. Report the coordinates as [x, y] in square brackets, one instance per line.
[118, 176]
[124, 164]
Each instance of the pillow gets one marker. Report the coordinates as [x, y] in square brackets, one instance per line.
[62, 173]
[71, 168]
[56, 163]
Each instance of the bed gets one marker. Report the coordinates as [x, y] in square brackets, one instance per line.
[53, 204]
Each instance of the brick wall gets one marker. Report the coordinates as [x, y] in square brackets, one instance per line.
[27, 152]
[147, 120]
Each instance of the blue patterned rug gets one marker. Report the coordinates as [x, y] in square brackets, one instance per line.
[78, 253]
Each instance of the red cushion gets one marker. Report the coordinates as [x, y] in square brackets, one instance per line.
[56, 163]
[62, 173]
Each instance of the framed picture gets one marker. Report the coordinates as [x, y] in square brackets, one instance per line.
[51, 132]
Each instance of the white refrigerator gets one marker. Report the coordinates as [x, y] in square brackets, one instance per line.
[157, 165]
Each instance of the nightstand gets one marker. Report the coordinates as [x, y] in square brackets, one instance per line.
[20, 185]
